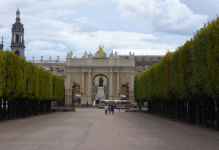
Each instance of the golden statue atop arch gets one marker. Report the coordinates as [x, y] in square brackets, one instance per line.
[101, 51]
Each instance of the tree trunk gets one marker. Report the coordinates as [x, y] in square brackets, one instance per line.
[21, 108]
[1, 110]
[14, 109]
[41, 106]
[167, 112]
[4, 108]
[193, 110]
[182, 110]
[36, 107]
[217, 115]
[198, 106]
[164, 108]
[24, 112]
[28, 107]
[211, 111]
[173, 109]
[159, 108]
[170, 109]
[149, 107]
[188, 112]
[178, 109]
[9, 110]
[18, 109]
[204, 113]
[155, 107]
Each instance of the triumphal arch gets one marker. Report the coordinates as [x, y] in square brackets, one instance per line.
[99, 76]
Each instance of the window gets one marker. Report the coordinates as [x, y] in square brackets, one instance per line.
[17, 38]
[17, 52]
[13, 38]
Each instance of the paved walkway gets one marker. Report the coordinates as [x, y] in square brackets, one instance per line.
[90, 129]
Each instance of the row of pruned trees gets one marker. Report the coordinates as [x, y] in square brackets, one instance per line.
[26, 88]
[185, 84]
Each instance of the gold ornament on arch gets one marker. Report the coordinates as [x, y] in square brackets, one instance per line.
[101, 51]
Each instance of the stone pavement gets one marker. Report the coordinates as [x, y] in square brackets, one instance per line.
[90, 129]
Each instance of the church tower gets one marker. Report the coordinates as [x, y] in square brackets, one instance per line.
[1, 45]
[17, 41]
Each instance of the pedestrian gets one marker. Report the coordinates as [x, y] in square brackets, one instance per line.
[87, 103]
[139, 105]
[135, 105]
[109, 107]
[106, 108]
[112, 109]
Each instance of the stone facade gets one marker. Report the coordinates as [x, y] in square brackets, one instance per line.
[87, 71]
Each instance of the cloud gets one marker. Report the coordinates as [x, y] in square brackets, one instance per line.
[36, 45]
[53, 29]
[61, 47]
[83, 25]
[169, 16]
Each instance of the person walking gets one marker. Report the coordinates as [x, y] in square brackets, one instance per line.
[139, 106]
[109, 108]
[106, 108]
[135, 105]
[112, 109]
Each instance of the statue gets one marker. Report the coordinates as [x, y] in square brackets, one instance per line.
[90, 55]
[100, 51]
[131, 56]
[116, 53]
[85, 54]
[111, 55]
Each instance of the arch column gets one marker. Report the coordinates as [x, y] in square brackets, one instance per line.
[131, 88]
[83, 82]
[117, 84]
[111, 85]
[89, 86]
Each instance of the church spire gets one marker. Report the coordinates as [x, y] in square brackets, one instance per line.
[17, 15]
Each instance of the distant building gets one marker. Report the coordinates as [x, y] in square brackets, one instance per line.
[1, 45]
[17, 41]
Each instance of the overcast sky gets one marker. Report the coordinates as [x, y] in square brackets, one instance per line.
[55, 27]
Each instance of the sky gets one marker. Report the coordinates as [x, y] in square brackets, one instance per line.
[55, 27]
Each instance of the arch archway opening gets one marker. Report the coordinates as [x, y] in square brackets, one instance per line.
[100, 87]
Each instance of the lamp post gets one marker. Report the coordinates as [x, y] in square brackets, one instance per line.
[75, 90]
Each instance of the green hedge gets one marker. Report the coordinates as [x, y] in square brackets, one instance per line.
[21, 79]
[192, 70]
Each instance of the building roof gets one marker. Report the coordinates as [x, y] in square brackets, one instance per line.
[141, 52]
